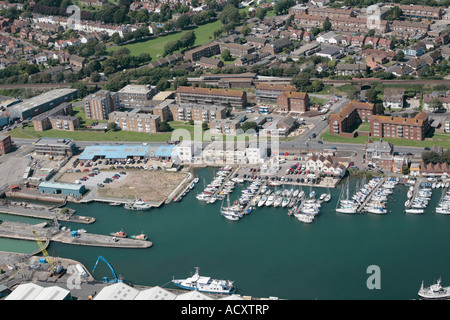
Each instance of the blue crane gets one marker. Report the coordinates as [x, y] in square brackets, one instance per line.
[105, 279]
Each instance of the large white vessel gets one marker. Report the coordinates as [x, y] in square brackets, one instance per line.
[435, 291]
[138, 204]
[205, 284]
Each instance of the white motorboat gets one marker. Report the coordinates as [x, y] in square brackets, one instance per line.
[270, 200]
[205, 284]
[138, 204]
[285, 202]
[414, 210]
[306, 218]
[351, 209]
[278, 201]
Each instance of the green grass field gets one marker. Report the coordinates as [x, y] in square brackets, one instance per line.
[155, 47]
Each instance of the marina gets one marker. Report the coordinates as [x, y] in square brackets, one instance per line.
[262, 221]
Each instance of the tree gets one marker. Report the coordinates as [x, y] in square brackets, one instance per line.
[435, 105]
[399, 56]
[353, 93]
[112, 126]
[183, 21]
[327, 25]
[250, 125]
[188, 39]
[164, 126]
[261, 13]
[301, 80]
[430, 156]
[226, 55]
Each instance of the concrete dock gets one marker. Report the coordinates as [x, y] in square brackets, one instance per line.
[22, 231]
[43, 212]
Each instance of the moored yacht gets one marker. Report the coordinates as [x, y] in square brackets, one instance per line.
[205, 284]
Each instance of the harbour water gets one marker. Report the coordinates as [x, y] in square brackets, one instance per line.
[269, 253]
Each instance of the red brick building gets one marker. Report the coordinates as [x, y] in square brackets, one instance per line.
[5, 144]
[398, 127]
[290, 101]
[353, 113]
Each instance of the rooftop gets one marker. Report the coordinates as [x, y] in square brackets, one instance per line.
[114, 151]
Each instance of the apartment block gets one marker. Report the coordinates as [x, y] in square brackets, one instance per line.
[68, 123]
[353, 113]
[236, 50]
[293, 102]
[136, 96]
[136, 120]
[100, 104]
[207, 96]
[44, 120]
[187, 112]
[398, 127]
[270, 92]
[206, 50]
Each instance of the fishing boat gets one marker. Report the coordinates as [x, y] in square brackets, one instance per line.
[138, 204]
[434, 292]
[120, 234]
[141, 236]
[205, 284]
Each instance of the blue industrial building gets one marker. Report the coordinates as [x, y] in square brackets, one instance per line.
[166, 152]
[67, 189]
[115, 152]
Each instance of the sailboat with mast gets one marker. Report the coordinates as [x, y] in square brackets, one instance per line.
[346, 205]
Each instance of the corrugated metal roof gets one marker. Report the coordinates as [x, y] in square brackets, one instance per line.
[114, 152]
[57, 185]
[165, 151]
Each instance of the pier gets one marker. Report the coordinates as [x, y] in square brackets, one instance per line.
[22, 231]
[416, 189]
[369, 196]
[43, 212]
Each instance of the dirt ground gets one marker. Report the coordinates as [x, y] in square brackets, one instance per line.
[146, 185]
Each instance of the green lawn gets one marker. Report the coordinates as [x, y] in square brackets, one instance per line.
[155, 47]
